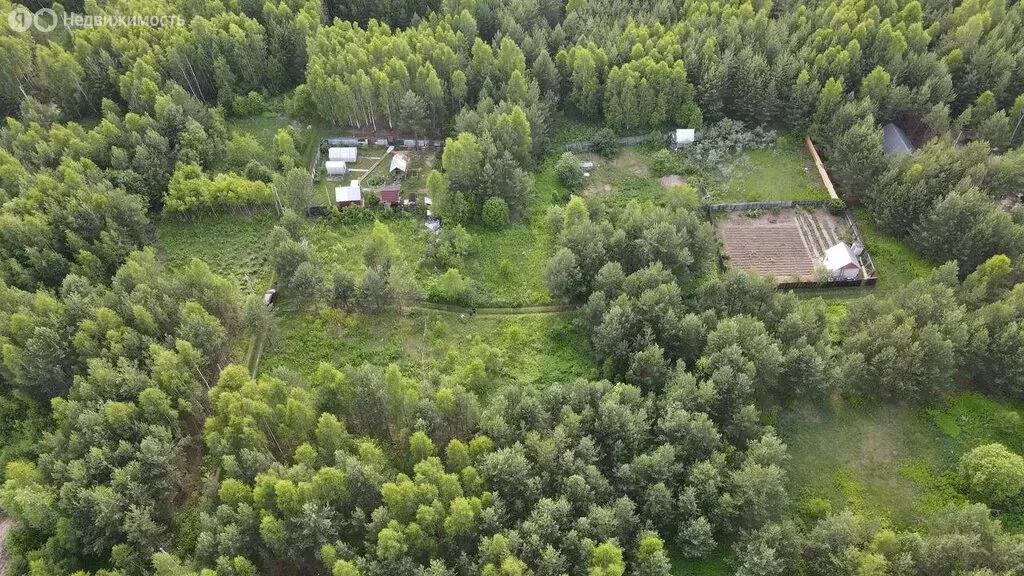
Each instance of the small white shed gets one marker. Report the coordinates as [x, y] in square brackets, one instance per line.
[336, 168]
[343, 154]
[841, 262]
[683, 136]
[348, 195]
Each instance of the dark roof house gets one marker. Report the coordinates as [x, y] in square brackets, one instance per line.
[389, 194]
[895, 140]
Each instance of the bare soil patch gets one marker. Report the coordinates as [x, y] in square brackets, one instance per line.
[5, 557]
[672, 180]
[788, 245]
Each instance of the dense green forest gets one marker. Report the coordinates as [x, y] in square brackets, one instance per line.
[627, 415]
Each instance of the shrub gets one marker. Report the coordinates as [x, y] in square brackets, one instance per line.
[249, 105]
[663, 163]
[993, 473]
[495, 214]
[378, 179]
[242, 148]
[452, 287]
[343, 289]
[570, 174]
[255, 170]
[306, 283]
[835, 207]
[719, 143]
[605, 142]
[293, 223]
[815, 508]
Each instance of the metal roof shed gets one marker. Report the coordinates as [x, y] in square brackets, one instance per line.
[399, 162]
[349, 195]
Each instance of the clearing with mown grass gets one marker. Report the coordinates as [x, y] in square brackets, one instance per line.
[893, 462]
[533, 349]
[784, 171]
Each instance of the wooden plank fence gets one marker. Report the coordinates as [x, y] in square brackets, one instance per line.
[585, 145]
[821, 168]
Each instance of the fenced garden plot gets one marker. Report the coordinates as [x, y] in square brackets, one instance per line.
[787, 240]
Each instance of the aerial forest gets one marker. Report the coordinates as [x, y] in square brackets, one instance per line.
[136, 438]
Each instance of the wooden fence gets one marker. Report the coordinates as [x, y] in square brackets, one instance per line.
[585, 145]
[821, 168]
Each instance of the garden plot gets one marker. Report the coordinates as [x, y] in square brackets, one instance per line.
[789, 244]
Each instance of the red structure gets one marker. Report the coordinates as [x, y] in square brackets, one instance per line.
[389, 194]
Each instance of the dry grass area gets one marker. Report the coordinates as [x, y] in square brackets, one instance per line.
[672, 180]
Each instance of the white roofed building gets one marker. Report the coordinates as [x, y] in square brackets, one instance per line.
[336, 168]
[399, 162]
[683, 136]
[348, 195]
[343, 154]
[841, 262]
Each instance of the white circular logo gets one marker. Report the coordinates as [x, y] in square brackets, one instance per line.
[47, 24]
[20, 19]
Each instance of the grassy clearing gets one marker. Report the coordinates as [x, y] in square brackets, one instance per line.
[716, 564]
[897, 263]
[783, 172]
[621, 178]
[335, 246]
[233, 246]
[893, 462]
[536, 349]
[507, 265]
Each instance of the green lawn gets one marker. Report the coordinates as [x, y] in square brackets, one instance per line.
[535, 349]
[234, 246]
[893, 462]
[509, 264]
[897, 262]
[622, 178]
[265, 126]
[506, 265]
[716, 564]
[783, 172]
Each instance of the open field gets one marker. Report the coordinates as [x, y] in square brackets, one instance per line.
[534, 349]
[897, 263]
[265, 126]
[233, 246]
[789, 244]
[783, 172]
[621, 178]
[894, 462]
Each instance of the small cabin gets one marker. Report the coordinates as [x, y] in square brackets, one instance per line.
[389, 194]
[399, 163]
[350, 195]
[683, 137]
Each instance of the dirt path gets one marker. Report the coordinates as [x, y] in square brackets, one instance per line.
[5, 526]
[552, 309]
